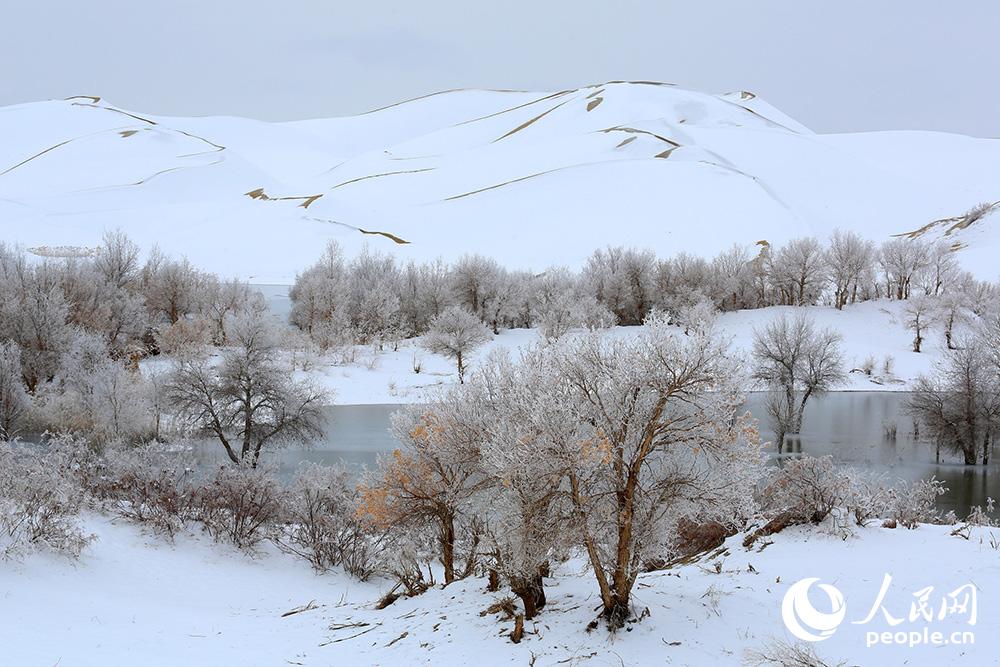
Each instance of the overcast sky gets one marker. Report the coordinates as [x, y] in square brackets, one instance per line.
[839, 65]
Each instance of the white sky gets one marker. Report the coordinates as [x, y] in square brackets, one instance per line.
[836, 66]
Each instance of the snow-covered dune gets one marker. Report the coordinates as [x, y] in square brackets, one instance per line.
[532, 179]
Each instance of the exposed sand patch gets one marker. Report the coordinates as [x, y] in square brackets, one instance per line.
[392, 237]
[531, 121]
[955, 223]
[519, 106]
[124, 113]
[263, 196]
[37, 155]
[388, 173]
[632, 130]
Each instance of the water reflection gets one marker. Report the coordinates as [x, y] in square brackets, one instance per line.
[850, 426]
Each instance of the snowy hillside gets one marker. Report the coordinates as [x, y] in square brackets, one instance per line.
[532, 179]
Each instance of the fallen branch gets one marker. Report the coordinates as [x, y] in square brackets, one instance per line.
[402, 636]
[298, 610]
[344, 639]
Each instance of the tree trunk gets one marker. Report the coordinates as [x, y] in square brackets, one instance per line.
[797, 424]
[969, 450]
[448, 548]
[461, 368]
[531, 591]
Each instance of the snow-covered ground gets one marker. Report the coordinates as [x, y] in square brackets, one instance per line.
[135, 599]
[531, 179]
[873, 329]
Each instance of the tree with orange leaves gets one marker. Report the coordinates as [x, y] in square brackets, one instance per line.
[431, 480]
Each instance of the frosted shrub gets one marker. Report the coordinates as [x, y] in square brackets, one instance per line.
[406, 553]
[979, 516]
[808, 489]
[320, 522]
[184, 336]
[239, 504]
[38, 506]
[455, 334]
[148, 487]
[916, 502]
[96, 397]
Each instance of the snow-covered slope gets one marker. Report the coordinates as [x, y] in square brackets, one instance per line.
[532, 179]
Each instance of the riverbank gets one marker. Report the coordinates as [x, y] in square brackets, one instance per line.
[874, 336]
[134, 598]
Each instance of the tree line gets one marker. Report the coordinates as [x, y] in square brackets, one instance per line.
[374, 298]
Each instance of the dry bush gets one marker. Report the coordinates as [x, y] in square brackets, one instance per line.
[239, 504]
[320, 522]
[38, 506]
[778, 653]
[698, 537]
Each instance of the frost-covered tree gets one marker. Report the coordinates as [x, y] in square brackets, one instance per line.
[14, 401]
[681, 281]
[220, 300]
[117, 259]
[732, 279]
[320, 297]
[798, 272]
[526, 517]
[902, 260]
[373, 300]
[918, 315]
[698, 316]
[796, 361]
[849, 258]
[249, 399]
[623, 280]
[942, 269]
[954, 308]
[454, 334]
[424, 291]
[650, 433]
[95, 396]
[34, 314]
[430, 480]
[958, 405]
[171, 287]
[474, 280]
[502, 302]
